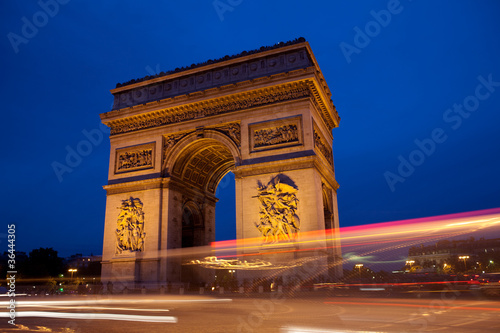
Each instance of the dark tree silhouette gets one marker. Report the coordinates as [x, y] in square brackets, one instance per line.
[44, 262]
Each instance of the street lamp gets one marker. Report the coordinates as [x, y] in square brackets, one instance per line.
[72, 270]
[359, 267]
[410, 262]
[464, 259]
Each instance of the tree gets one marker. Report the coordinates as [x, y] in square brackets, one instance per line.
[44, 262]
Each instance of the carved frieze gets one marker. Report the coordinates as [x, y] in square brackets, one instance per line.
[195, 111]
[130, 235]
[278, 210]
[323, 148]
[135, 158]
[275, 134]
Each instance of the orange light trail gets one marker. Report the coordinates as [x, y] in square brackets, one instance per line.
[413, 229]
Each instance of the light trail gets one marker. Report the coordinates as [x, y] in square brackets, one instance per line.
[397, 232]
[294, 329]
[437, 226]
[92, 316]
[72, 307]
[395, 284]
[430, 306]
[22, 303]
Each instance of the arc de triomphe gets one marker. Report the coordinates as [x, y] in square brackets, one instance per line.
[266, 115]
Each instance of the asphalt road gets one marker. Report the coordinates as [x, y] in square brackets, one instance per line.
[313, 312]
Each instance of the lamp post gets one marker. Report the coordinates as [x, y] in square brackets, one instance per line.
[359, 267]
[464, 259]
[410, 262]
[72, 270]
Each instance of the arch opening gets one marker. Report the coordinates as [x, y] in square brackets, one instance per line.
[202, 171]
[202, 164]
[225, 210]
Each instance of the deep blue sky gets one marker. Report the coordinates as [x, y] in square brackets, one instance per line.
[394, 90]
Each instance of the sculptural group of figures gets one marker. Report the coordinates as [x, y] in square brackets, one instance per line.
[135, 159]
[273, 136]
[278, 218]
[130, 233]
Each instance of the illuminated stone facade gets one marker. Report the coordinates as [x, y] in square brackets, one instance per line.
[265, 115]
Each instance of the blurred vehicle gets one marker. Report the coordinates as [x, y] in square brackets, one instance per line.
[489, 284]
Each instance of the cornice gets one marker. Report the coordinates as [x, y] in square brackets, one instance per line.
[213, 93]
[133, 186]
[305, 88]
[208, 108]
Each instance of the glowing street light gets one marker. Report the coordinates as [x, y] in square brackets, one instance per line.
[72, 270]
[464, 259]
[359, 267]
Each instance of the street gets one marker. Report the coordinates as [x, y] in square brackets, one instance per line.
[267, 312]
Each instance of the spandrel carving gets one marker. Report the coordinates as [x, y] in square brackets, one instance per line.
[278, 210]
[130, 233]
[233, 130]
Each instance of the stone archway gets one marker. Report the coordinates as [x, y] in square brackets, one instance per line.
[266, 116]
[194, 165]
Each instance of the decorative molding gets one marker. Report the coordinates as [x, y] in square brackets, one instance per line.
[135, 158]
[278, 206]
[130, 235]
[322, 108]
[279, 133]
[210, 108]
[323, 148]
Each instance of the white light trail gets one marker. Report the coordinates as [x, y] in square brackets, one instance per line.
[92, 316]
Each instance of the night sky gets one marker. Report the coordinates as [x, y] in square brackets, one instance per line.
[416, 84]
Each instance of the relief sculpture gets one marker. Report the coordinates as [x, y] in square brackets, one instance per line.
[130, 233]
[276, 135]
[323, 148]
[130, 160]
[233, 130]
[278, 207]
[179, 115]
